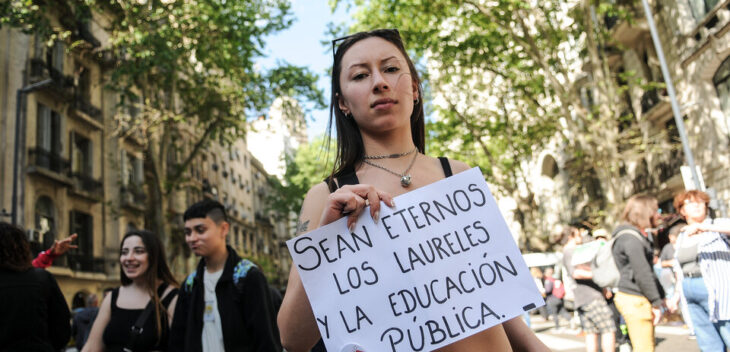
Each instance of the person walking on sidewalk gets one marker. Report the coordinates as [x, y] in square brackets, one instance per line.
[226, 304]
[640, 297]
[590, 299]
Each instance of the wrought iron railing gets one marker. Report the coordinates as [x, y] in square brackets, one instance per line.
[86, 183]
[48, 160]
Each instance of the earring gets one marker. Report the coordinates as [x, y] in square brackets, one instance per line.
[415, 102]
[348, 115]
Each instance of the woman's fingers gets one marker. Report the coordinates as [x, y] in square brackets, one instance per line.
[351, 200]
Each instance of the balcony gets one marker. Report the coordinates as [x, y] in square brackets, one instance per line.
[671, 166]
[654, 104]
[133, 196]
[624, 31]
[48, 160]
[87, 186]
[48, 165]
[62, 85]
[85, 107]
[82, 262]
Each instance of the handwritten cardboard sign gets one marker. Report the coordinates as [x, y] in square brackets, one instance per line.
[437, 268]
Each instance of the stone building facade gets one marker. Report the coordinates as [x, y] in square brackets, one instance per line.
[696, 44]
[76, 175]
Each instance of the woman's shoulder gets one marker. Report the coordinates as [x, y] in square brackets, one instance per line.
[457, 166]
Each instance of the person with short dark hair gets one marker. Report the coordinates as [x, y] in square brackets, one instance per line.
[226, 304]
[34, 315]
[640, 297]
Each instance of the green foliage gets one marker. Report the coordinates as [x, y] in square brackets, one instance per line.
[188, 67]
[309, 166]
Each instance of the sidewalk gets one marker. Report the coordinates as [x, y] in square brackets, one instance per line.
[669, 338]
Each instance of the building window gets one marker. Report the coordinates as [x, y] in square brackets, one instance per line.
[132, 170]
[700, 8]
[82, 224]
[721, 80]
[81, 164]
[84, 83]
[549, 167]
[45, 221]
[48, 130]
[57, 56]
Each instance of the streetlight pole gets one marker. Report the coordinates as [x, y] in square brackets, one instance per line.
[19, 122]
[672, 96]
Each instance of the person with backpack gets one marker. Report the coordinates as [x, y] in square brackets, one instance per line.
[226, 304]
[640, 297]
[590, 300]
[554, 291]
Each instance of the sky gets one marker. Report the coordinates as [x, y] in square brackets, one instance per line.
[301, 45]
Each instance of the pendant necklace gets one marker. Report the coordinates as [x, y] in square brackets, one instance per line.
[405, 177]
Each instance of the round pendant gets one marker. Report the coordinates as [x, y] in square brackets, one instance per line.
[405, 180]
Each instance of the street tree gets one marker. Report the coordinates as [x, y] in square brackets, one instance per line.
[309, 165]
[509, 76]
[185, 75]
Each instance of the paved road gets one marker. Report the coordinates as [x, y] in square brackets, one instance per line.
[669, 338]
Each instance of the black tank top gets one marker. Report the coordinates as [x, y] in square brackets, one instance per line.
[350, 178]
[116, 334]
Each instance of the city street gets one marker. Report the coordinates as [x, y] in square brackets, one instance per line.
[669, 338]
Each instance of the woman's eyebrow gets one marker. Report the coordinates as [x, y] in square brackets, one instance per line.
[381, 61]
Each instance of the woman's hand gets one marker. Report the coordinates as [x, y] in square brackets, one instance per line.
[351, 200]
[61, 247]
[693, 229]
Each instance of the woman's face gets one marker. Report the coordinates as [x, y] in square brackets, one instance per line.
[134, 257]
[694, 210]
[376, 85]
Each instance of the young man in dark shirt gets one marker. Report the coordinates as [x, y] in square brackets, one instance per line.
[226, 304]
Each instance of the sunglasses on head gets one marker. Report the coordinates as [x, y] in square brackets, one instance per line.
[376, 32]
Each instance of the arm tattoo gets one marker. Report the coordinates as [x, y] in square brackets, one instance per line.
[302, 226]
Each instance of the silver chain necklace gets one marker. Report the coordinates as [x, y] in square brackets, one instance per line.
[389, 156]
[405, 177]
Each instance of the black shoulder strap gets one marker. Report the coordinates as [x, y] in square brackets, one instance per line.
[136, 330]
[348, 177]
[446, 166]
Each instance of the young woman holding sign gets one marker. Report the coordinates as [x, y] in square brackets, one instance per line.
[377, 108]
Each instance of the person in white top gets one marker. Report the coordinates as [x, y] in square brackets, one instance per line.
[226, 304]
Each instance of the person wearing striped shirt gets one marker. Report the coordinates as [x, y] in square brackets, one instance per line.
[703, 253]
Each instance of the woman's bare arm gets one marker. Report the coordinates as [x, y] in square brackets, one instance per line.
[297, 326]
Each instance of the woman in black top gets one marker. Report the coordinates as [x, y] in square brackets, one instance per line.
[146, 279]
[33, 314]
[378, 110]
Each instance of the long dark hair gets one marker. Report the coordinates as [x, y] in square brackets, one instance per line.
[350, 147]
[157, 270]
[14, 248]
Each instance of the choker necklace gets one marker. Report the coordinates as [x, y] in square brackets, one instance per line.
[405, 177]
[389, 156]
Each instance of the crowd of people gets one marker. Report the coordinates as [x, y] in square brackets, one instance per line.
[687, 276]
[227, 305]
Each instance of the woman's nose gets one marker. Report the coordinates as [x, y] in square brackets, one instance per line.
[379, 82]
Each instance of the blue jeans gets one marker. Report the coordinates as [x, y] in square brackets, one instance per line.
[710, 335]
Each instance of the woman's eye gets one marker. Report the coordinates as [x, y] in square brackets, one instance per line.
[359, 76]
[139, 251]
[392, 69]
[124, 252]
